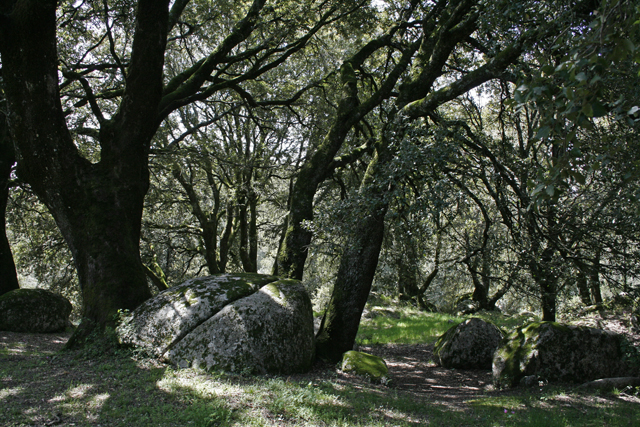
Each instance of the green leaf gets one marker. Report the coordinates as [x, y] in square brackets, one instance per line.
[627, 45]
[580, 179]
[595, 79]
[538, 189]
[548, 70]
[550, 190]
[599, 110]
[543, 132]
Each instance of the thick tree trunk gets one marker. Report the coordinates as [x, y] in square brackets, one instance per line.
[98, 207]
[8, 275]
[104, 240]
[358, 264]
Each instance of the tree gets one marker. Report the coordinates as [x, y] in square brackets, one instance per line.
[447, 30]
[97, 201]
[8, 273]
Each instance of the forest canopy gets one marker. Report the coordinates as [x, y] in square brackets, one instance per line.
[431, 151]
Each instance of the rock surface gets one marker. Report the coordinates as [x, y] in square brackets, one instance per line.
[34, 310]
[555, 352]
[270, 331]
[469, 345]
[235, 322]
[466, 306]
[364, 364]
[165, 319]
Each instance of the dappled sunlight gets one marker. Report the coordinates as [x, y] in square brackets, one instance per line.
[79, 391]
[197, 383]
[6, 392]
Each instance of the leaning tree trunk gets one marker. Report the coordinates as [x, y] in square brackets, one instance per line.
[358, 264]
[98, 207]
[8, 275]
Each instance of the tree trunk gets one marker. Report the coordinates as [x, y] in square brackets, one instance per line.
[104, 241]
[594, 279]
[8, 275]
[294, 249]
[98, 207]
[407, 265]
[547, 282]
[583, 288]
[293, 252]
[247, 202]
[548, 293]
[358, 264]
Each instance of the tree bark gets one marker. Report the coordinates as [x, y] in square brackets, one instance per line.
[8, 275]
[358, 264]
[594, 279]
[583, 288]
[98, 207]
[407, 265]
[542, 272]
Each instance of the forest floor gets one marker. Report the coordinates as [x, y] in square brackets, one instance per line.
[41, 385]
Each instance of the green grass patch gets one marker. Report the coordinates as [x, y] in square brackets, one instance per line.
[410, 326]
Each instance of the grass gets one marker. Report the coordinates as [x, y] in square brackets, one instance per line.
[410, 326]
[100, 387]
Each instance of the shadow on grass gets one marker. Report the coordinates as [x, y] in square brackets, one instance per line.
[76, 388]
[116, 388]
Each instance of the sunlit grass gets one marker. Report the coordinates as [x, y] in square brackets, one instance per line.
[123, 389]
[411, 326]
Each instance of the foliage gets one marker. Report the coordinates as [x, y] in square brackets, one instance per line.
[516, 190]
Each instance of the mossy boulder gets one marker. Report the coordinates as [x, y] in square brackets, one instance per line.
[469, 345]
[558, 353]
[233, 322]
[34, 310]
[364, 364]
[162, 321]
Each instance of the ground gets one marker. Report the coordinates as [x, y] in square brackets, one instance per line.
[41, 386]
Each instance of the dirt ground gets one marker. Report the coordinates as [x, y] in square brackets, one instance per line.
[412, 368]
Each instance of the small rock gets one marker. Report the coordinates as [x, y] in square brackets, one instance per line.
[364, 364]
[529, 381]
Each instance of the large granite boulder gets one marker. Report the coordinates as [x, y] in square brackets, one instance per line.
[34, 310]
[554, 352]
[469, 345]
[233, 322]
